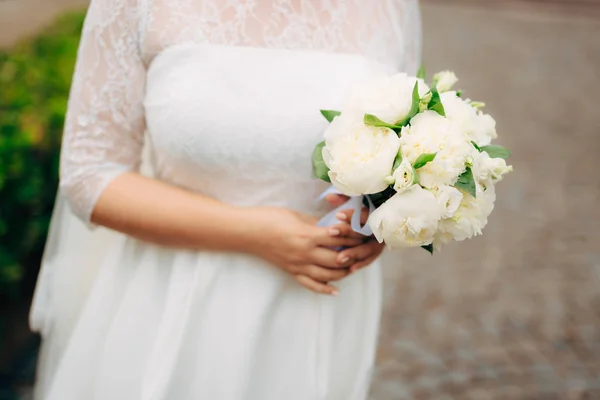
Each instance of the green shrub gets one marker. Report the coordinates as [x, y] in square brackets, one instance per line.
[35, 77]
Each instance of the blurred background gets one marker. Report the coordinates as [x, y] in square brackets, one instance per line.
[514, 314]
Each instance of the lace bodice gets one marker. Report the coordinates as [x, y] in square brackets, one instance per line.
[122, 39]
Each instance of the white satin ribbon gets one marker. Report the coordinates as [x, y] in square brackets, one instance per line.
[354, 203]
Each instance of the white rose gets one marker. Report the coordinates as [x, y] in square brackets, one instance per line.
[359, 157]
[445, 80]
[408, 219]
[479, 127]
[404, 176]
[449, 199]
[472, 214]
[486, 168]
[388, 98]
[429, 132]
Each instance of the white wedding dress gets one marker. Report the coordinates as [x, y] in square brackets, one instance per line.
[225, 97]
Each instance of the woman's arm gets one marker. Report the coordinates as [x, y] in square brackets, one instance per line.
[160, 213]
[157, 212]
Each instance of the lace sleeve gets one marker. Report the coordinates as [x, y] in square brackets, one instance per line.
[105, 119]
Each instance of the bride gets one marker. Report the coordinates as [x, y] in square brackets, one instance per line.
[213, 280]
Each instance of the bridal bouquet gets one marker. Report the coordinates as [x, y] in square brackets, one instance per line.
[420, 156]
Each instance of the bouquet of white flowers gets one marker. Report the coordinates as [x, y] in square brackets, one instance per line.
[419, 155]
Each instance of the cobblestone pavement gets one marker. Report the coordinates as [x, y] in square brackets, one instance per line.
[514, 314]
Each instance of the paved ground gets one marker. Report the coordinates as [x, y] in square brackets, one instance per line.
[514, 314]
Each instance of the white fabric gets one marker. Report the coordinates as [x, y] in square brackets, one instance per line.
[228, 92]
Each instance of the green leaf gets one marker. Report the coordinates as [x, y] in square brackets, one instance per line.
[415, 176]
[416, 99]
[476, 146]
[477, 104]
[466, 183]
[330, 114]
[423, 159]
[422, 74]
[414, 110]
[372, 120]
[424, 102]
[429, 248]
[11, 273]
[397, 160]
[35, 76]
[436, 102]
[320, 169]
[496, 151]
[459, 93]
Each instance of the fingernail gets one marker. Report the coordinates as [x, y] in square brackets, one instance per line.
[341, 216]
[334, 232]
[335, 293]
[345, 259]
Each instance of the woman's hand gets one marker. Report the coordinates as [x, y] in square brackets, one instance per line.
[366, 252]
[294, 243]
[135, 205]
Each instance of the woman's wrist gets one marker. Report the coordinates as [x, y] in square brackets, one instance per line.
[249, 229]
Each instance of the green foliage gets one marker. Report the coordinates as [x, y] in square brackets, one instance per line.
[496, 151]
[320, 169]
[436, 102]
[35, 77]
[423, 160]
[466, 182]
[372, 120]
[414, 110]
[379, 198]
[429, 248]
[397, 160]
[330, 114]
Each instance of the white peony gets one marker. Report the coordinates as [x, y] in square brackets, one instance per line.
[341, 126]
[471, 216]
[449, 199]
[441, 239]
[408, 219]
[359, 157]
[429, 132]
[388, 98]
[445, 80]
[486, 168]
[404, 176]
[479, 127]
